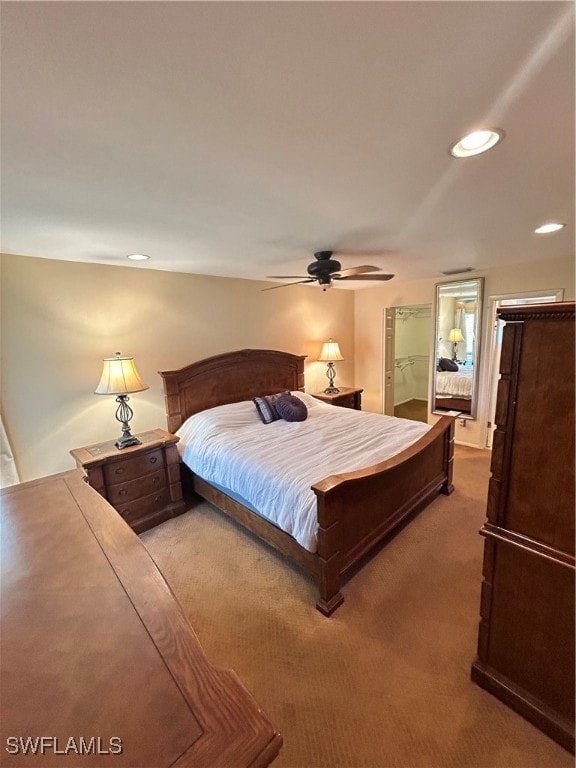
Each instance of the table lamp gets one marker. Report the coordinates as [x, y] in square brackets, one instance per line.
[120, 377]
[330, 352]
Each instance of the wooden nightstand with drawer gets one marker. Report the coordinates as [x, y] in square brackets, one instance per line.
[141, 482]
[346, 397]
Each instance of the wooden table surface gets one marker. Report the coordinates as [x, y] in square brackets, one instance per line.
[95, 647]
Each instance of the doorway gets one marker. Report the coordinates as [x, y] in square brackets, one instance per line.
[496, 327]
[408, 331]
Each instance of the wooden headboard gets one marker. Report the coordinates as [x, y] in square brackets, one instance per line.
[229, 378]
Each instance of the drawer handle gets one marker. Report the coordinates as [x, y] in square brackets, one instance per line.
[122, 492]
[158, 498]
[153, 459]
[155, 479]
[124, 513]
[119, 470]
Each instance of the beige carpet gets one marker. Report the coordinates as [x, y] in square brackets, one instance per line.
[385, 682]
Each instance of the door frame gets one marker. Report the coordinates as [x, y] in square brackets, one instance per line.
[389, 356]
[389, 330]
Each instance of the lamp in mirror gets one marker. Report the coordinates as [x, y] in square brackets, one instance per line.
[330, 354]
[120, 378]
[455, 336]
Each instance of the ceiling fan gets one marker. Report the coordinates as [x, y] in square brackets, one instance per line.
[326, 269]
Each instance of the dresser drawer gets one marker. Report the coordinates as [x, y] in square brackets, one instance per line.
[134, 511]
[128, 469]
[134, 489]
[346, 401]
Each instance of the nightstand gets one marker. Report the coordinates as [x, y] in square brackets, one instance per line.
[347, 397]
[141, 482]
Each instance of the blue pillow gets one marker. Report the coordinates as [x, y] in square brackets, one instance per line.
[266, 407]
[291, 408]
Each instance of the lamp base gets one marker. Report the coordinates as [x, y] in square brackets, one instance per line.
[124, 413]
[126, 441]
[331, 374]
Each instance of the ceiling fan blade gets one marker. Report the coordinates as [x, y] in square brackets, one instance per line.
[357, 271]
[286, 277]
[285, 285]
[368, 277]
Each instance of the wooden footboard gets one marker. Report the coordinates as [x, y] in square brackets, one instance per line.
[358, 509]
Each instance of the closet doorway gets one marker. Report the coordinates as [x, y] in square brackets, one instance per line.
[495, 327]
[408, 330]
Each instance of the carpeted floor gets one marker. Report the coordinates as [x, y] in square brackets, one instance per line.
[413, 409]
[385, 682]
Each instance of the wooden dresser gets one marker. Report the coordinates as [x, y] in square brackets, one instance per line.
[98, 659]
[141, 482]
[526, 632]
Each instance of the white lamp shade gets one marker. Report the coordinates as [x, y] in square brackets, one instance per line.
[330, 352]
[455, 335]
[119, 377]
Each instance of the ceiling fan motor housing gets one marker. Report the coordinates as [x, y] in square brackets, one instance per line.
[324, 266]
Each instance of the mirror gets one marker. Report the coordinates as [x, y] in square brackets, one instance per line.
[457, 347]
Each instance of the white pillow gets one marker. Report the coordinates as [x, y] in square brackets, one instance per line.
[309, 401]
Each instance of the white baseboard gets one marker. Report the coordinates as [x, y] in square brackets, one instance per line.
[471, 445]
[409, 400]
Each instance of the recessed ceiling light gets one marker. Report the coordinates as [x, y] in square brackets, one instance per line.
[476, 142]
[546, 229]
[137, 257]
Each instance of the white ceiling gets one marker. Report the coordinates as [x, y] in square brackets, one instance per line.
[237, 138]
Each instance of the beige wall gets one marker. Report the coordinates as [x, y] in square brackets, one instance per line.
[369, 338]
[59, 319]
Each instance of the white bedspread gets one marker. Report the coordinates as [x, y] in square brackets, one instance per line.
[454, 383]
[272, 466]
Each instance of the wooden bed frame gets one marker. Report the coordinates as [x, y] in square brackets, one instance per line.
[453, 404]
[355, 510]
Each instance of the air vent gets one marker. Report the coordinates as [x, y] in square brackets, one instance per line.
[458, 271]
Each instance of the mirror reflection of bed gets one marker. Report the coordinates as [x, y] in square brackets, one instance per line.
[458, 312]
[454, 386]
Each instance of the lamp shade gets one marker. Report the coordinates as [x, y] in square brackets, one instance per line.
[330, 352]
[455, 335]
[119, 377]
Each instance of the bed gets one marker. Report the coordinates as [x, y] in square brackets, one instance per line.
[354, 510]
[454, 389]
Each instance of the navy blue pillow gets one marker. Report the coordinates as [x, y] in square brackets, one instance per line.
[291, 408]
[447, 365]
